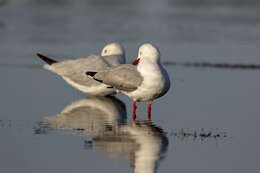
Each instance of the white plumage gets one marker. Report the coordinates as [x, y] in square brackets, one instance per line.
[146, 81]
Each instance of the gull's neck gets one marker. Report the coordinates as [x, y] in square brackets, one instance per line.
[148, 65]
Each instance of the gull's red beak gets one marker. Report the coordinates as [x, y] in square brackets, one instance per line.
[136, 61]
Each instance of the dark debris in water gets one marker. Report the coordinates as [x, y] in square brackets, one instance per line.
[44, 127]
[39, 131]
[41, 128]
[6, 124]
[79, 129]
[181, 134]
[214, 65]
[88, 144]
[202, 134]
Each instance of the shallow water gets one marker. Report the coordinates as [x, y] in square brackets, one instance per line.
[207, 122]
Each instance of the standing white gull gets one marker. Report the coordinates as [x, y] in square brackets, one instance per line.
[144, 81]
[73, 71]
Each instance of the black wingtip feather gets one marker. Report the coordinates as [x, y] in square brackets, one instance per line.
[46, 59]
[91, 73]
[98, 80]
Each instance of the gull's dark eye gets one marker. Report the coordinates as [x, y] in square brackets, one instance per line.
[105, 51]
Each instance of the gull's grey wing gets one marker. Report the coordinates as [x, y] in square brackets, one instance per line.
[123, 77]
[74, 70]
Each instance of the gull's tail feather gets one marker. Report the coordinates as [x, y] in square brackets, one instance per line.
[46, 59]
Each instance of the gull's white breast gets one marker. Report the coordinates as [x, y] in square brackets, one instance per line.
[155, 82]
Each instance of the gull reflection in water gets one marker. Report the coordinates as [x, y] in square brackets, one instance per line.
[104, 119]
[142, 142]
[94, 116]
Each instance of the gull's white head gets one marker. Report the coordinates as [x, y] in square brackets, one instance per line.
[148, 50]
[113, 49]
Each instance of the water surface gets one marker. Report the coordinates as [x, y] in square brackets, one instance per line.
[219, 105]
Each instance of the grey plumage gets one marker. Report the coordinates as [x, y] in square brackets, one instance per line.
[123, 77]
[75, 69]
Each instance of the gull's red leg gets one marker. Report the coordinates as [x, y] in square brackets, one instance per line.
[149, 108]
[134, 107]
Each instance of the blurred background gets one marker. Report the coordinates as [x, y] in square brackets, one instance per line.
[183, 29]
[216, 31]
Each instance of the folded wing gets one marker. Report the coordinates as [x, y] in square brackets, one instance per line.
[123, 77]
[74, 70]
